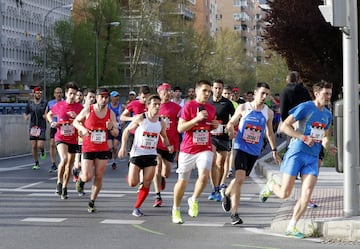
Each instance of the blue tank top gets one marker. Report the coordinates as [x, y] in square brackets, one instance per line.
[250, 137]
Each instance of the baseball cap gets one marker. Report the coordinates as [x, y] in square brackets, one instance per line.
[163, 86]
[235, 89]
[36, 89]
[102, 91]
[132, 93]
[114, 94]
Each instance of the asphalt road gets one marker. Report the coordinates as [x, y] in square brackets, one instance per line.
[33, 217]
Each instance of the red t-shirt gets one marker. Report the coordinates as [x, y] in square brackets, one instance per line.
[97, 140]
[198, 138]
[135, 107]
[66, 132]
[169, 112]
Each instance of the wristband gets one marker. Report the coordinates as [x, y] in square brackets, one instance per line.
[304, 139]
[274, 149]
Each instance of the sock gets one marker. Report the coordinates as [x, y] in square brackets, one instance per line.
[143, 193]
[36, 162]
[292, 224]
[176, 208]
[81, 183]
[194, 199]
[216, 188]
[158, 195]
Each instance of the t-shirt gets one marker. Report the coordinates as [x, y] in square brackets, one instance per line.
[66, 132]
[312, 122]
[224, 109]
[36, 112]
[197, 139]
[169, 112]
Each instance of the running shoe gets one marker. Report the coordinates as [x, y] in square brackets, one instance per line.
[75, 178]
[163, 183]
[217, 197]
[64, 194]
[226, 203]
[79, 186]
[58, 189]
[91, 207]
[235, 219]
[53, 168]
[36, 167]
[212, 196]
[229, 173]
[193, 207]
[176, 217]
[43, 155]
[157, 202]
[75, 173]
[293, 232]
[266, 191]
[113, 166]
[312, 204]
[137, 212]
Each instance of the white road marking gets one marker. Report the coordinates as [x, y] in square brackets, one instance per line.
[123, 222]
[38, 219]
[30, 185]
[200, 224]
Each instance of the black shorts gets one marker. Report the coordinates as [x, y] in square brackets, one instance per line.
[72, 148]
[52, 132]
[170, 157]
[144, 161]
[221, 144]
[102, 155]
[244, 161]
[322, 153]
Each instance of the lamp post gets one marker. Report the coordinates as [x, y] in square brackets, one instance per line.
[67, 6]
[97, 50]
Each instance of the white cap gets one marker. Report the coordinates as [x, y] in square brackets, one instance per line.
[132, 92]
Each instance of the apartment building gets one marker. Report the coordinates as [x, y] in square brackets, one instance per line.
[244, 17]
[23, 24]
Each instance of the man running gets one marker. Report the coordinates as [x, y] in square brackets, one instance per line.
[93, 124]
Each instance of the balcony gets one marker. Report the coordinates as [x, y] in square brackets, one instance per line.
[184, 11]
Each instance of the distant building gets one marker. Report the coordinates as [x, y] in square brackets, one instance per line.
[21, 34]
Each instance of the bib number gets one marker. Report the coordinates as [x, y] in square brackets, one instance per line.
[35, 131]
[252, 134]
[67, 130]
[98, 137]
[149, 140]
[200, 137]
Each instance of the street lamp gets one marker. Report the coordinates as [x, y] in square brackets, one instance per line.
[97, 50]
[67, 6]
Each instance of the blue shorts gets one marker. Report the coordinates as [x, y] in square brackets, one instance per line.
[299, 162]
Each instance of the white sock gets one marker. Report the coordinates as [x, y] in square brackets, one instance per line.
[292, 224]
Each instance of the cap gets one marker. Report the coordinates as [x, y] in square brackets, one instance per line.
[132, 93]
[102, 91]
[235, 89]
[163, 86]
[114, 94]
[36, 89]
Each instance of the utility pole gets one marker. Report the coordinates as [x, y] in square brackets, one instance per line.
[343, 14]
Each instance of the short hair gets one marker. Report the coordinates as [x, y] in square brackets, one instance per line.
[292, 77]
[71, 85]
[262, 84]
[177, 88]
[144, 89]
[219, 81]
[203, 82]
[320, 85]
[89, 90]
[151, 97]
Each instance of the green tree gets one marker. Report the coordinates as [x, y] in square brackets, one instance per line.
[298, 32]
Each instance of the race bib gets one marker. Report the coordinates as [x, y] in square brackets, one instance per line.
[67, 129]
[317, 131]
[200, 137]
[219, 131]
[149, 140]
[167, 122]
[252, 134]
[35, 131]
[98, 136]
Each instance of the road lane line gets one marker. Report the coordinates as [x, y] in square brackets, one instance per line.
[147, 230]
[200, 224]
[123, 222]
[29, 185]
[39, 219]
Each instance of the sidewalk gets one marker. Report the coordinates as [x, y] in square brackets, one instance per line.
[327, 220]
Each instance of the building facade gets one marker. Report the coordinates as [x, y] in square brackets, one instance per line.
[23, 24]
